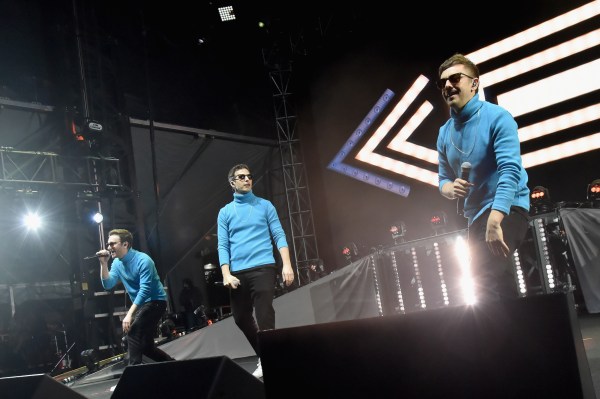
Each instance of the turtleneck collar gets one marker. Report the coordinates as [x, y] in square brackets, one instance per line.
[245, 198]
[127, 256]
[467, 111]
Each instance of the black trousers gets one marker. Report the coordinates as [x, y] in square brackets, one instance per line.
[493, 276]
[254, 294]
[140, 338]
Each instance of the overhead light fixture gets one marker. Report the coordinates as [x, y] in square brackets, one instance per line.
[226, 13]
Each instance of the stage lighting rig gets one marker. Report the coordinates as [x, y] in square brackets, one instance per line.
[593, 193]
[540, 201]
[398, 231]
[438, 222]
[350, 252]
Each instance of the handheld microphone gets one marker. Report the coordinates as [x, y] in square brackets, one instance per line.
[94, 257]
[465, 170]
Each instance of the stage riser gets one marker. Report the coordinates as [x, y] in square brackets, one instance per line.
[526, 348]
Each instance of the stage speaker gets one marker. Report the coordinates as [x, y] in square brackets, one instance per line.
[524, 348]
[207, 378]
[35, 386]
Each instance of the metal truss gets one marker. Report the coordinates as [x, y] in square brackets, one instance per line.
[26, 169]
[304, 240]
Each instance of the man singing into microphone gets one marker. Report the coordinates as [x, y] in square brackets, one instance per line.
[483, 136]
[137, 272]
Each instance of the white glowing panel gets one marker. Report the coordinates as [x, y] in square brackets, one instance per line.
[534, 96]
[543, 93]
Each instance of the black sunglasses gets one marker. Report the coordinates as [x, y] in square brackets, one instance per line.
[454, 79]
[242, 177]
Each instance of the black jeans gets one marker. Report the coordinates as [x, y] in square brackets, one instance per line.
[140, 338]
[494, 276]
[255, 293]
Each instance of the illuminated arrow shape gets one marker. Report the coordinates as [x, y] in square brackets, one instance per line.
[376, 180]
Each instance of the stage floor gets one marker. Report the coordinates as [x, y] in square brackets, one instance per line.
[98, 385]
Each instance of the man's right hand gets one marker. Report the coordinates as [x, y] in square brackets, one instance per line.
[231, 281]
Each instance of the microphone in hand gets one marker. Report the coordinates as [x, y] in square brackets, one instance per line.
[98, 255]
[465, 171]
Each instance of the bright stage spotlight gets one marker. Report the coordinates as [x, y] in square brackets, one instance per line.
[540, 201]
[463, 255]
[32, 221]
[98, 218]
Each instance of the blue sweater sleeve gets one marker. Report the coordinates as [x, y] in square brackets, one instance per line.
[223, 245]
[507, 148]
[275, 226]
[445, 172]
[145, 267]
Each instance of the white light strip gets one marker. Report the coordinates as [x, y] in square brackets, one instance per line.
[367, 154]
[400, 143]
[560, 151]
[537, 32]
[393, 116]
[559, 123]
[543, 93]
[543, 58]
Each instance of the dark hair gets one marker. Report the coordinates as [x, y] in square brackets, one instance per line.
[234, 169]
[124, 235]
[459, 59]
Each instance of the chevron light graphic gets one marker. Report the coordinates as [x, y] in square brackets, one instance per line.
[534, 96]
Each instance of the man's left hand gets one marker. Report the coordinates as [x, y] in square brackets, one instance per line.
[287, 274]
[494, 237]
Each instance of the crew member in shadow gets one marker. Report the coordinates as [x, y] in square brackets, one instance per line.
[190, 299]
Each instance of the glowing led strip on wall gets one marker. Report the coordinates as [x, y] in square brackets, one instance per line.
[338, 164]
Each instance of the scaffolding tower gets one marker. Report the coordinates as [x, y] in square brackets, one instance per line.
[302, 229]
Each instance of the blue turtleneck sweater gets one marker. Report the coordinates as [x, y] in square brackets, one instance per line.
[245, 228]
[485, 135]
[138, 274]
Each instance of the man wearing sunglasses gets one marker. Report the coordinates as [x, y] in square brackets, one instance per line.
[247, 228]
[480, 163]
[137, 272]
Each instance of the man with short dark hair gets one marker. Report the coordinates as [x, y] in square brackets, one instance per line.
[246, 227]
[483, 136]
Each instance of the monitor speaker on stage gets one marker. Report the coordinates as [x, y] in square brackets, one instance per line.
[35, 386]
[207, 378]
[529, 347]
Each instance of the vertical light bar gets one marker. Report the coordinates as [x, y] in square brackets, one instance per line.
[545, 253]
[519, 273]
[376, 282]
[418, 280]
[438, 259]
[400, 308]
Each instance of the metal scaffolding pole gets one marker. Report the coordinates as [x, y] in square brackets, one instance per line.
[303, 238]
